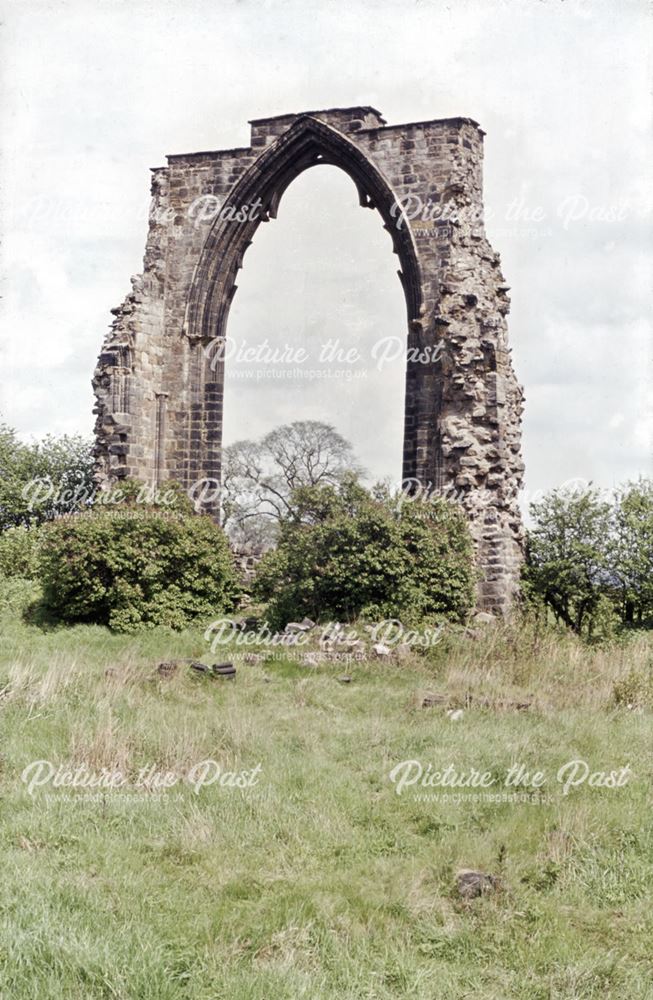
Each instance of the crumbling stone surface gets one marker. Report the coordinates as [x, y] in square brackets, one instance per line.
[159, 378]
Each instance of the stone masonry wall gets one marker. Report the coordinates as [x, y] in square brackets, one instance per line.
[159, 389]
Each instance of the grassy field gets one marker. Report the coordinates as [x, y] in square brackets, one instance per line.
[319, 880]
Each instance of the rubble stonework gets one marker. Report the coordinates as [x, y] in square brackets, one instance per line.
[159, 380]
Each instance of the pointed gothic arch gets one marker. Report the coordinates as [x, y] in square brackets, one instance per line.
[308, 143]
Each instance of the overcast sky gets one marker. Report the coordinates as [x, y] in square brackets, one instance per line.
[94, 93]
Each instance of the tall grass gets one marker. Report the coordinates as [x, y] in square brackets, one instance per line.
[320, 881]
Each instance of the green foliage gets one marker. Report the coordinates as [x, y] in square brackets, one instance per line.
[17, 595]
[439, 548]
[43, 479]
[259, 477]
[635, 689]
[343, 553]
[338, 558]
[568, 554]
[169, 496]
[591, 561]
[633, 551]
[19, 552]
[134, 567]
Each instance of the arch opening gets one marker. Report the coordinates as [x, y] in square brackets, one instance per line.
[318, 329]
[306, 144]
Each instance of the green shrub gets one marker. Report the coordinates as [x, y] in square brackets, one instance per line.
[633, 552]
[43, 479]
[19, 552]
[635, 689]
[439, 547]
[345, 554]
[17, 596]
[568, 555]
[590, 559]
[134, 567]
[169, 496]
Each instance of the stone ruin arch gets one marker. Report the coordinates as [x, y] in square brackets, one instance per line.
[159, 383]
[307, 143]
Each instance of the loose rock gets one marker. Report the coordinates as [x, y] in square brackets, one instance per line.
[499, 704]
[167, 669]
[224, 670]
[472, 884]
[200, 668]
[356, 646]
[298, 627]
[431, 700]
[250, 624]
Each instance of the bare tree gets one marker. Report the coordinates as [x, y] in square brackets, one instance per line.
[259, 477]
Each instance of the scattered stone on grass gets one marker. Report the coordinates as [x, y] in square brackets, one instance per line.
[224, 670]
[431, 700]
[299, 626]
[168, 668]
[484, 618]
[380, 649]
[434, 699]
[503, 704]
[471, 884]
[199, 668]
[356, 646]
[249, 624]
[345, 679]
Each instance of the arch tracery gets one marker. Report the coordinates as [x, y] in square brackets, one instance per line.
[308, 143]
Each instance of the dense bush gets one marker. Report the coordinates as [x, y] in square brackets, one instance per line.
[568, 556]
[17, 597]
[590, 558]
[439, 548]
[40, 480]
[135, 566]
[169, 496]
[19, 552]
[343, 553]
[633, 552]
